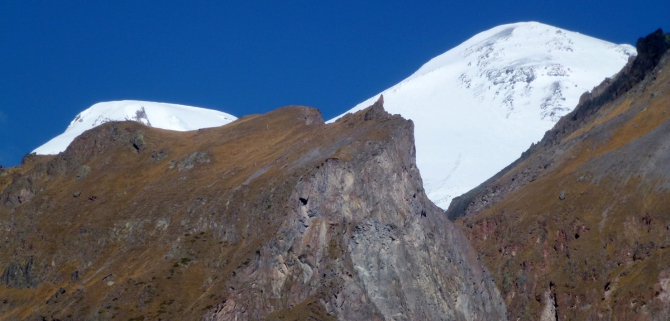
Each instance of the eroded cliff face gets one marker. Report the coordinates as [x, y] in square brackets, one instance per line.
[274, 216]
[578, 228]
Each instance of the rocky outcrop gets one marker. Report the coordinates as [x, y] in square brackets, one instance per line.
[20, 275]
[577, 228]
[275, 216]
[363, 237]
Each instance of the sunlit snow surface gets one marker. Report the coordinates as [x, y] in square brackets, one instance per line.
[478, 106]
[159, 115]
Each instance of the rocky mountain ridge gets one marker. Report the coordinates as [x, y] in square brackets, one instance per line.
[272, 217]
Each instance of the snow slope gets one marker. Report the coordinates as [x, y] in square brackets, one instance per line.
[479, 105]
[159, 115]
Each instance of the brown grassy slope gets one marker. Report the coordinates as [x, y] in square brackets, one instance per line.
[275, 216]
[139, 219]
[588, 233]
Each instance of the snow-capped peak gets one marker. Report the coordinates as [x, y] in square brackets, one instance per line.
[159, 115]
[479, 105]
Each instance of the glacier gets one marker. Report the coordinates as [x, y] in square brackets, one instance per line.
[478, 106]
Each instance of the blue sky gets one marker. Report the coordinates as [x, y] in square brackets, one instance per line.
[59, 57]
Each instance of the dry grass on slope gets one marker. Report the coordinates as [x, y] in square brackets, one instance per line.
[147, 237]
[593, 230]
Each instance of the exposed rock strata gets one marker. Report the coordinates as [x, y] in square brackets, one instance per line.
[274, 216]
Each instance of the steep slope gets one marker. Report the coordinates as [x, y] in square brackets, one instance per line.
[272, 217]
[579, 227]
[479, 105]
[159, 115]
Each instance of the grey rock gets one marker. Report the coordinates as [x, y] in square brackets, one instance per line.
[20, 275]
[192, 160]
[74, 277]
[54, 298]
[138, 141]
[159, 155]
[384, 253]
[82, 173]
[376, 111]
[141, 117]
[109, 280]
[561, 196]
[20, 191]
[76, 194]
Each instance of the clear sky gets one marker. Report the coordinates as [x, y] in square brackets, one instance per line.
[59, 57]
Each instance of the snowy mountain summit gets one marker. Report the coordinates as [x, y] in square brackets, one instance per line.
[479, 105]
[159, 115]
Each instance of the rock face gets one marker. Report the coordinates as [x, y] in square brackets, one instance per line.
[272, 217]
[598, 251]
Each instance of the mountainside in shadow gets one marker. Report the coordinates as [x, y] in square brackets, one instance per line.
[579, 227]
[272, 217]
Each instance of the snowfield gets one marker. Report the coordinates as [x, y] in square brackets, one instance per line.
[159, 115]
[478, 106]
